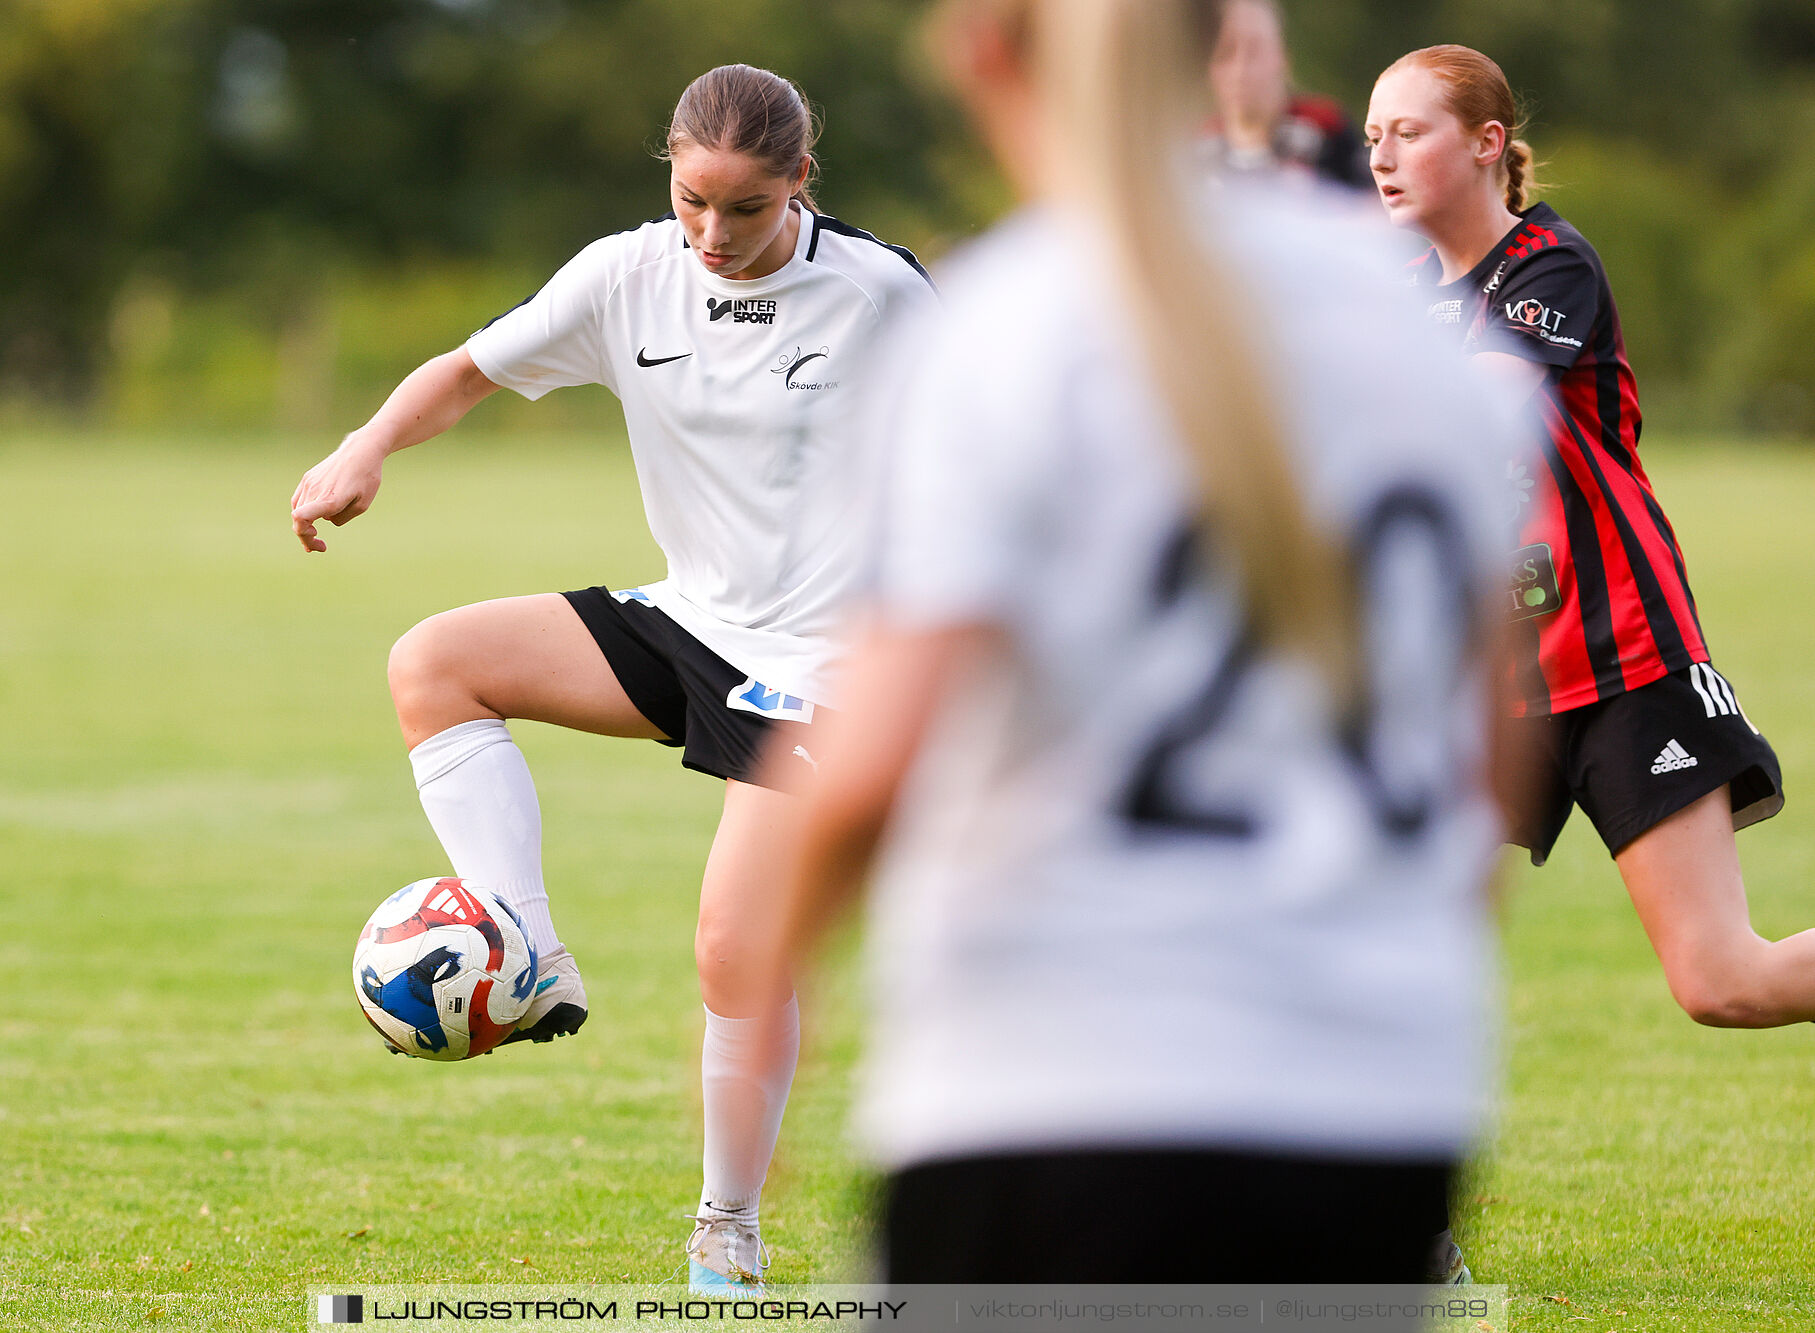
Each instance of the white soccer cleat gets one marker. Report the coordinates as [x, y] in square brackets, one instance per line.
[558, 1006]
[724, 1254]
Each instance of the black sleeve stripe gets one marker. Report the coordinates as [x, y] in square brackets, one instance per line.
[668, 217]
[823, 223]
[501, 314]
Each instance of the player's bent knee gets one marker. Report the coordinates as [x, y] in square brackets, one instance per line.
[725, 966]
[424, 669]
[412, 663]
[714, 951]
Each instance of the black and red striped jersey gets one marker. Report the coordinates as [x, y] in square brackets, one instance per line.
[1599, 590]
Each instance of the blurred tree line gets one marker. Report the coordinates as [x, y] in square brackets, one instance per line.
[245, 211]
[228, 211]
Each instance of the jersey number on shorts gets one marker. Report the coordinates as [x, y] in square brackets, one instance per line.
[1418, 626]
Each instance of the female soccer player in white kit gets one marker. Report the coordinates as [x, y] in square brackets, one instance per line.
[734, 331]
[1166, 732]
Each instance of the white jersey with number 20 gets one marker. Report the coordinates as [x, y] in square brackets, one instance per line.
[1145, 886]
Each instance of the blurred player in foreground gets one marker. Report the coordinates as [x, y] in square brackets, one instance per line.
[1165, 735]
[732, 330]
[1619, 709]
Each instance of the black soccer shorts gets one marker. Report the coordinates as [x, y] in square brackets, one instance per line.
[1634, 760]
[1098, 1216]
[717, 716]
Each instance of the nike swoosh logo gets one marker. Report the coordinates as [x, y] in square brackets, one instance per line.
[545, 983]
[643, 358]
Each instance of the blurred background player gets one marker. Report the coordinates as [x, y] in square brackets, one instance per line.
[736, 452]
[1616, 705]
[1166, 732]
[1260, 123]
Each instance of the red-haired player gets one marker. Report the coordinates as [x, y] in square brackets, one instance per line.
[1616, 705]
[1614, 691]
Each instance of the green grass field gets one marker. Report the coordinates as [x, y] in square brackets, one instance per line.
[202, 794]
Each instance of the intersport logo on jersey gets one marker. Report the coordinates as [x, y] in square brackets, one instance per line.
[741, 311]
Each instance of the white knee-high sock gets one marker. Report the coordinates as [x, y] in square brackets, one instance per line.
[743, 1108]
[481, 802]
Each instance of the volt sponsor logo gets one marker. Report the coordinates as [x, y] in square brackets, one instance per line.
[740, 310]
[1535, 315]
[1541, 320]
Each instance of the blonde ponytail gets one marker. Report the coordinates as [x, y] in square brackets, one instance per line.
[1121, 81]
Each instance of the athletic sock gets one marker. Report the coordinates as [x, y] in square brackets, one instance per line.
[743, 1109]
[481, 802]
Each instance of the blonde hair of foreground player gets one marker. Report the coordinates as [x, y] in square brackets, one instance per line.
[1087, 105]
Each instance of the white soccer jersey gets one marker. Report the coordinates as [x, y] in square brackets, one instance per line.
[1140, 890]
[739, 399]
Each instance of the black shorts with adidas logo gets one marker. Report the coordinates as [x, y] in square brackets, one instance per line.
[1634, 760]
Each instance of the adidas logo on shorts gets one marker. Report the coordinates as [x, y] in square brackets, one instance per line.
[1673, 757]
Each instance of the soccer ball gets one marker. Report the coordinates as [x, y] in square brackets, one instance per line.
[444, 969]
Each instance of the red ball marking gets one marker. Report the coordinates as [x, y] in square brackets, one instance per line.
[483, 1033]
[494, 941]
[465, 910]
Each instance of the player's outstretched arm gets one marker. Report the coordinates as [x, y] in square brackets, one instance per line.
[341, 487]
